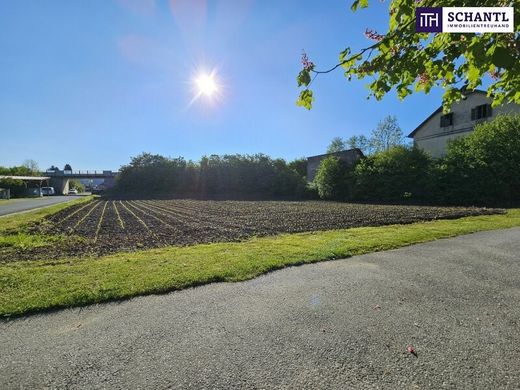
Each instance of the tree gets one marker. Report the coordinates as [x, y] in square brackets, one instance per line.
[333, 179]
[32, 166]
[232, 176]
[299, 166]
[386, 134]
[336, 145]
[75, 184]
[359, 142]
[17, 186]
[407, 62]
[152, 173]
[397, 174]
[482, 168]
[67, 167]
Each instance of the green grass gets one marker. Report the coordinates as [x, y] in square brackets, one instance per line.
[24, 240]
[19, 220]
[13, 228]
[32, 286]
[11, 201]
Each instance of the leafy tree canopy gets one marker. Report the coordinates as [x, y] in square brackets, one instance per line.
[76, 184]
[393, 174]
[231, 176]
[32, 166]
[332, 179]
[408, 62]
[386, 135]
[21, 170]
[299, 166]
[483, 167]
[359, 142]
[336, 145]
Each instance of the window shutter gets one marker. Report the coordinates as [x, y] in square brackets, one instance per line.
[489, 110]
[473, 114]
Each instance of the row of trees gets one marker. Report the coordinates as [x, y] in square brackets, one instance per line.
[234, 176]
[30, 168]
[17, 187]
[482, 168]
[386, 135]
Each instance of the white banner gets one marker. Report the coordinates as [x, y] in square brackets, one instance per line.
[478, 19]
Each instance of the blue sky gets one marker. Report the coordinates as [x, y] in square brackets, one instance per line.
[92, 83]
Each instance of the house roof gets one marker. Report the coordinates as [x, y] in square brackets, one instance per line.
[440, 110]
[26, 178]
[342, 152]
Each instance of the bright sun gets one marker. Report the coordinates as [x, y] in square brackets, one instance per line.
[206, 88]
[206, 84]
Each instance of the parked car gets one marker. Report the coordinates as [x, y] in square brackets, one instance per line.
[73, 191]
[48, 191]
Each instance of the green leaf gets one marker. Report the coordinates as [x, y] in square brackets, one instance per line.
[305, 99]
[445, 57]
[344, 54]
[403, 91]
[502, 58]
[473, 74]
[304, 78]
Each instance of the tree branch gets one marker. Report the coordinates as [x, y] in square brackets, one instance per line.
[371, 48]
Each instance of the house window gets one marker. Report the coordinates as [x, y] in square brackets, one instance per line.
[482, 111]
[447, 120]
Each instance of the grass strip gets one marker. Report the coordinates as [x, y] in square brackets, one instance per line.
[13, 232]
[33, 286]
[18, 221]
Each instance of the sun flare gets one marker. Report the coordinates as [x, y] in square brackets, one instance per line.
[206, 84]
[206, 87]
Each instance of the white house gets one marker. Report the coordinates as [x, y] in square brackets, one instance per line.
[433, 134]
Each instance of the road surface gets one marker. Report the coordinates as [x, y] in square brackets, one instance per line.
[342, 324]
[25, 204]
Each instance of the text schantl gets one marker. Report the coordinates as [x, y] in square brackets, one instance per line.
[477, 17]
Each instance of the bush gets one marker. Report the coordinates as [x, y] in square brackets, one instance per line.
[299, 166]
[333, 179]
[397, 174]
[17, 187]
[76, 185]
[149, 173]
[228, 176]
[484, 167]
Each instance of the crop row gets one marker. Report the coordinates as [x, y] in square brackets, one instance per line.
[113, 225]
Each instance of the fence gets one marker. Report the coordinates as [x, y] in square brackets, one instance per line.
[5, 193]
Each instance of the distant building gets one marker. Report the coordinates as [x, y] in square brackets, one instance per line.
[350, 156]
[433, 134]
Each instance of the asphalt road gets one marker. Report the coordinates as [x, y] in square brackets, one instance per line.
[342, 324]
[25, 204]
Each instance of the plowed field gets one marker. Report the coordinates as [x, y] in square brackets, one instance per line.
[106, 226]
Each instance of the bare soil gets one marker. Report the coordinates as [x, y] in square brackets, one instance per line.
[107, 226]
